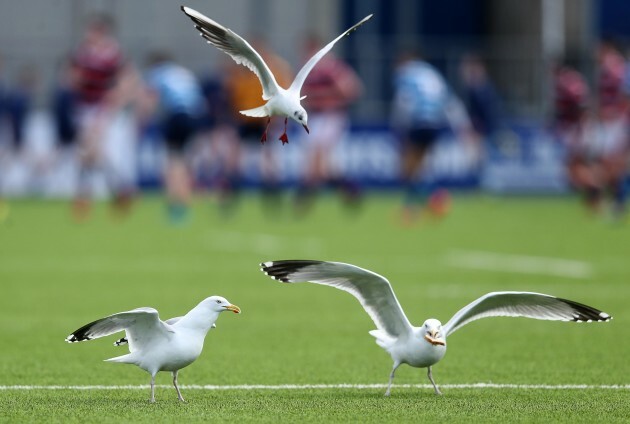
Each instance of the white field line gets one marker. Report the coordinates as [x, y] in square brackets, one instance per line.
[524, 264]
[333, 386]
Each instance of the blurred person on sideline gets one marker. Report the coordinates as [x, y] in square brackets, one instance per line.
[5, 143]
[611, 72]
[4, 207]
[480, 98]
[571, 98]
[176, 95]
[601, 170]
[100, 85]
[244, 92]
[18, 102]
[595, 133]
[3, 100]
[64, 99]
[27, 155]
[32, 142]
[423, 108]
[610, 145]
[330, 89]
[220, 153]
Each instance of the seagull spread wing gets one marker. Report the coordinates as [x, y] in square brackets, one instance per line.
[296, 86]
[141, 325]
[524, 304]
[373, 291]
[170, 321]
[231, 43]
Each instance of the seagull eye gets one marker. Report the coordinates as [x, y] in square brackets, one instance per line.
[218, 301]
[295, 113]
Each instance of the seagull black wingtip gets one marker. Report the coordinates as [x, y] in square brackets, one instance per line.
[281, 270]
[72, 338]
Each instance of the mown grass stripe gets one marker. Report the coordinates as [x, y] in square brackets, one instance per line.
[520, 264]
[329, 386]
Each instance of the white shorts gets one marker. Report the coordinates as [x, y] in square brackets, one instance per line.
[327, 129]
[605, 139]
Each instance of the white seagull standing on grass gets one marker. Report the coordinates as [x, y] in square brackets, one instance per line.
[424, 346]
[157, 345]
[280, 101]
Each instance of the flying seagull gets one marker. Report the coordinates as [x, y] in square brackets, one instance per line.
[157, 345]
[280, 101]
[424, 346]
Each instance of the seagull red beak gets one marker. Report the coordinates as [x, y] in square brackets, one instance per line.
[306, 128]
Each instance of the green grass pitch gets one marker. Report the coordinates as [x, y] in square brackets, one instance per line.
[56, 275]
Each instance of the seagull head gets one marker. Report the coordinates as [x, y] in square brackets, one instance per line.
[301, 117]
[221, 304]
[432, 332]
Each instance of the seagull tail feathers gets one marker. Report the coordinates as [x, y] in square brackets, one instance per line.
[382, 338]
[257, 112]
[124, 359]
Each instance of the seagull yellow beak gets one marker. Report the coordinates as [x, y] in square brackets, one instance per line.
[233, 308]
[431, 339]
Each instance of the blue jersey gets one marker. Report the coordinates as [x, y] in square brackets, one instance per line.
[177, 88]
[421, 96]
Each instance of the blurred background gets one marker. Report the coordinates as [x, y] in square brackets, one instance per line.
[536, 99]
[497, 129]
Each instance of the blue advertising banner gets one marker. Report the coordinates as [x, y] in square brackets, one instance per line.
[519, 159]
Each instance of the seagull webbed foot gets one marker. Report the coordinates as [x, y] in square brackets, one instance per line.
[284, 137]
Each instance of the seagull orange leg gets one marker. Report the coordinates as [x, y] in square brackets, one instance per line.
[284, 137]
[264, 136]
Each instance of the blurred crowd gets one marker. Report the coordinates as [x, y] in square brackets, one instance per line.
[102, 103]
[593, 123]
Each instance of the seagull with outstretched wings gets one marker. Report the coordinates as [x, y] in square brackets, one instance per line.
[279, 101]
[424, 346]
[156, 345]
